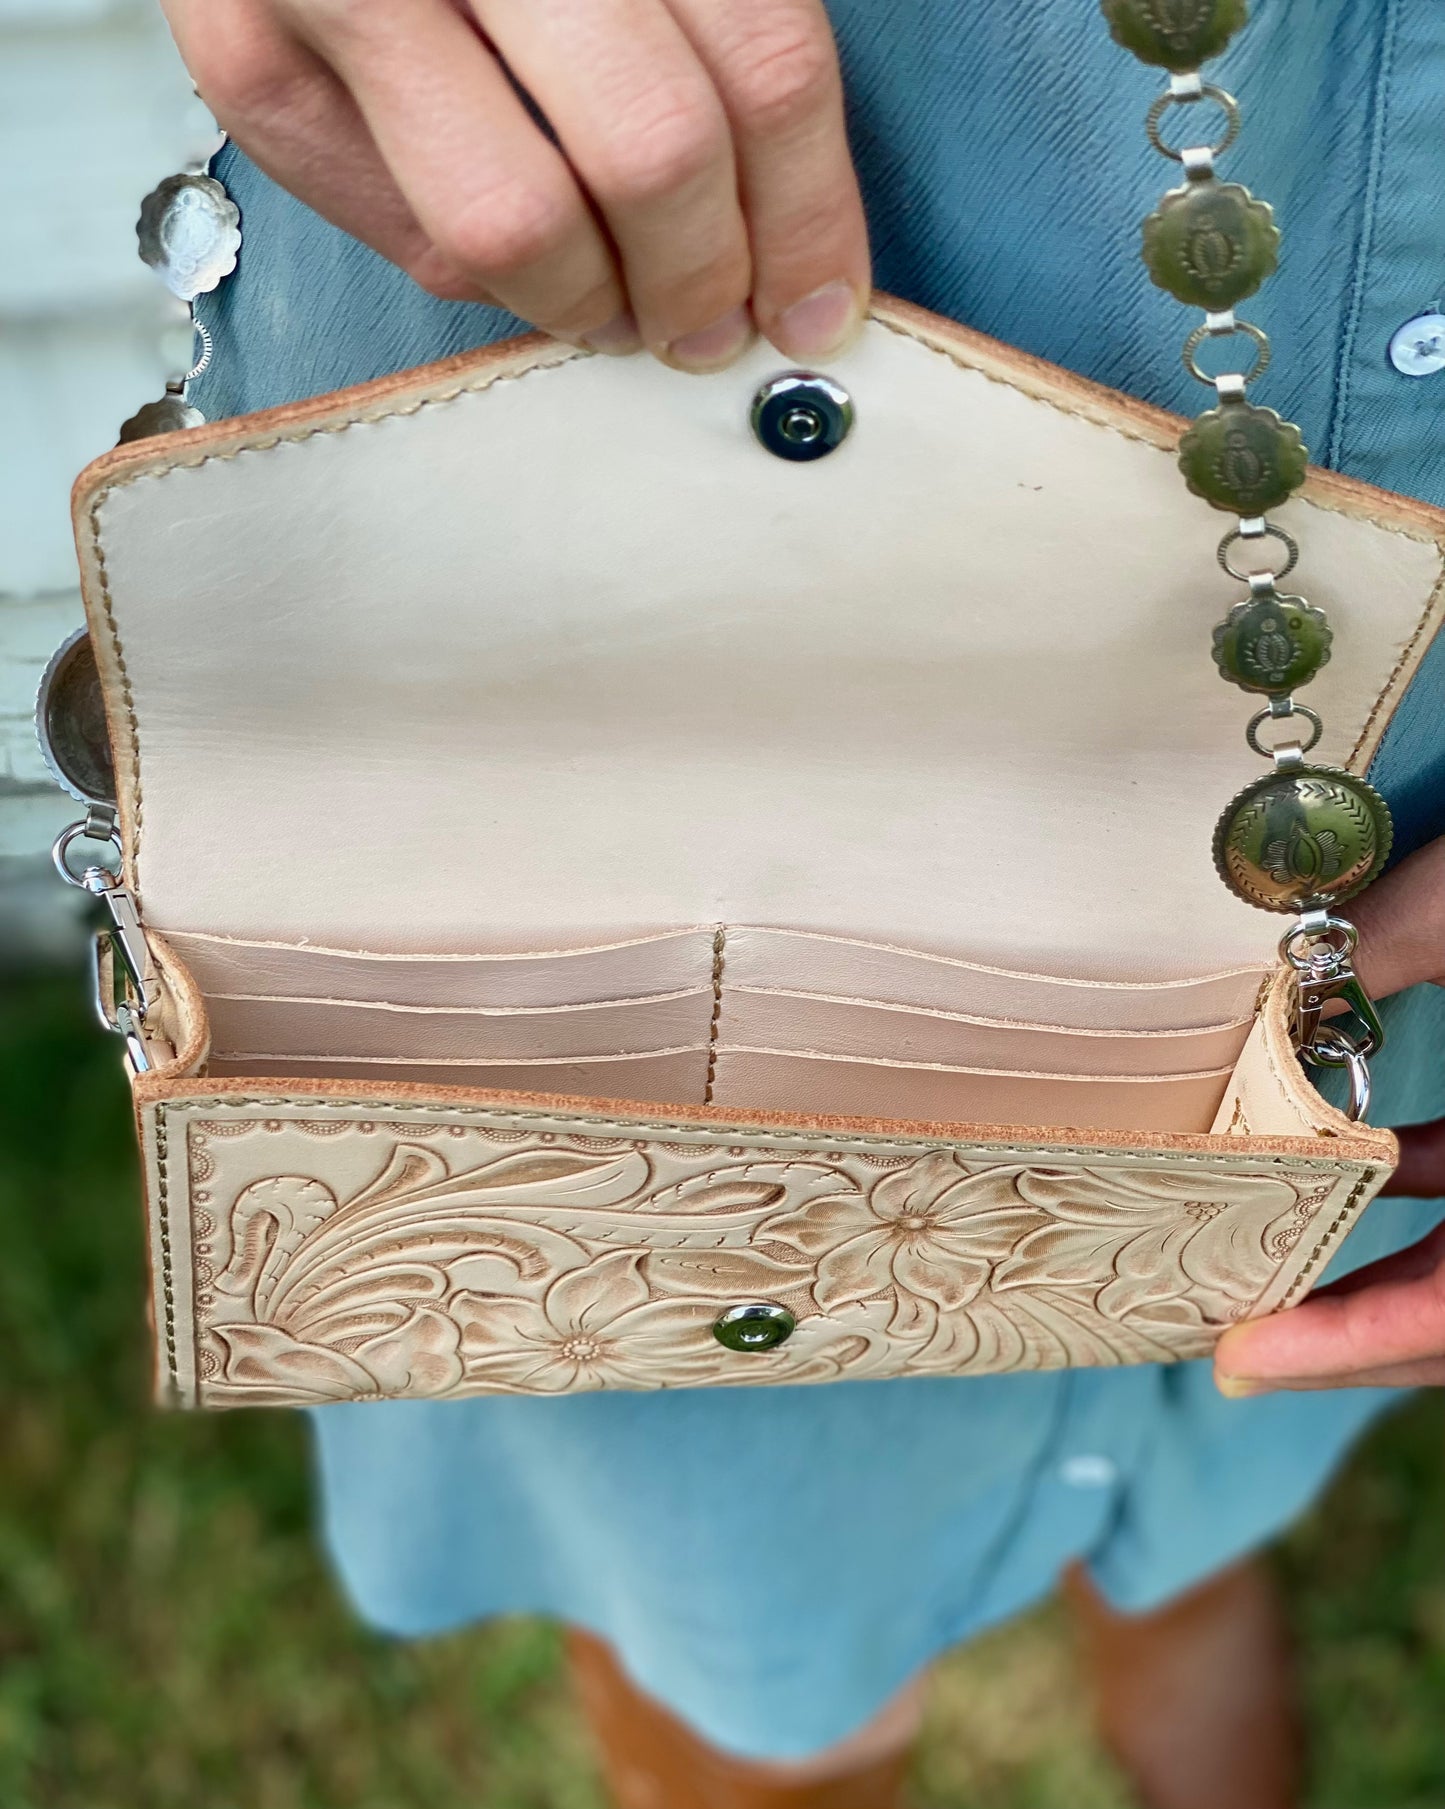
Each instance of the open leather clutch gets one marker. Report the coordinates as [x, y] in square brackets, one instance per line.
[634, 911]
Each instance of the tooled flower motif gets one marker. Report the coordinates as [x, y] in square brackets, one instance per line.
[556, 1264]
[991, 1266]
[318, 1299]
[929, 1232]
[1162, 1250]
[596, 1327]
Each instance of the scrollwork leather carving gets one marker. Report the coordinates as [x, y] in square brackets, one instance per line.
[334, 1255]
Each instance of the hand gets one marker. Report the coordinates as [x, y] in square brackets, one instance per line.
[1383, 1326]
[700, 184]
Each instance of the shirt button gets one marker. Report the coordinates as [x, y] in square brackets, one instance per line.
[1089, 1471]
[1418, 348]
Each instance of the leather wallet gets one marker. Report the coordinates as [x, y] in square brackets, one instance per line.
[630, 910]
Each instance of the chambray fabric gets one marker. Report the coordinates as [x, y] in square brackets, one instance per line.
[773, 1563]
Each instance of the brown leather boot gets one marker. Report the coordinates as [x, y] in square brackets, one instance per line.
[1197, 1700]
[652, 1760]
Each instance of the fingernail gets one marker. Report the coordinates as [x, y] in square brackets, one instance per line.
[821, 323]
[1241, 1388]
[710, 348]
[618, 339]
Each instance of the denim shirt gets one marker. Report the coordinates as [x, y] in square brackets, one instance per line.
[774, 1563]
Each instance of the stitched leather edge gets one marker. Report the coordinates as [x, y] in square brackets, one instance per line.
[719, 961]
[1301, 1284]
[167, 1257]
[715, 1123]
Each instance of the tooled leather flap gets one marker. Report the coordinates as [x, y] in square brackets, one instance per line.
[535, 649]
[315, 1242]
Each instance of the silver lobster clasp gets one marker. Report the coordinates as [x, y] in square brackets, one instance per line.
[136, 983]
[1319, 948]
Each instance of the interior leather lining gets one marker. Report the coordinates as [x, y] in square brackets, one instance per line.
[932, 721]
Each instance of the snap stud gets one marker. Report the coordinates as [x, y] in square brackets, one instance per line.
[754, 1327]
[802, 416]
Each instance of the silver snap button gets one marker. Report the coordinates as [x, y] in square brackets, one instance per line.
[754, 1327]
[802, 416]
[1418, 348]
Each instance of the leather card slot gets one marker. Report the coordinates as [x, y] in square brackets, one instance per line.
[562, 977]
[837, 966]
[812, 1023]
[823, 1084]
[332, 1029]
[671, 1076]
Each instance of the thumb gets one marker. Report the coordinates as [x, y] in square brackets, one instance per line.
[1421, 1171]
[1385, 1323]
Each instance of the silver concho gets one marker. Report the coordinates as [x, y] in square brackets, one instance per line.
[168, 415]
[70, 723]
[190, 232]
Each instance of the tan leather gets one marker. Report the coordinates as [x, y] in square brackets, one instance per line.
[314, 1241]
[653, 1760]
[519, 723]
[534, 650]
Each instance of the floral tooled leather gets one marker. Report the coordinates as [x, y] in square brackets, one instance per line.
[337, 1256]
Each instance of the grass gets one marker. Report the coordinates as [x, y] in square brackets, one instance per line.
[169, 1638]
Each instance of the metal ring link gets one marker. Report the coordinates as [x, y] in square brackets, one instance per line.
[1251, 734]
[208, 346]
[66, 840]
[1188, 91]
[1332, 1050]
[1212, 330]
[1267, 531]
[1339, 937]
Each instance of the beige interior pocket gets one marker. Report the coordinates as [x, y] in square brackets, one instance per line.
[667, 1077]
[874, 1089]
[752, 1018]
[809, 1023]
[318, 1029]
[838, 967]
[621, 970]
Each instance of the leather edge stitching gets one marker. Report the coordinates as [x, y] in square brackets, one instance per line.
[1300, 1283]
[163, 1214]
[127, 692]
[722, 1134]
[1407, 654]
[719, 961]
[1126, 433]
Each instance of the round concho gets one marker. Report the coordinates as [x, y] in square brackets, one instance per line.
[1174, 34]
[1245, 459]
[1210, 244]
[1296, 841]
[70, 723]
[1272, 643]
[169, 415]
[190, 233]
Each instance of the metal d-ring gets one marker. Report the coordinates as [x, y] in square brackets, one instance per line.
[86, 832]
